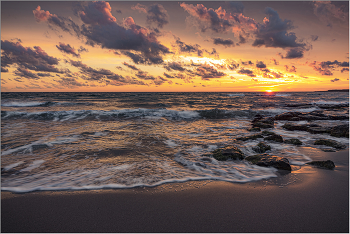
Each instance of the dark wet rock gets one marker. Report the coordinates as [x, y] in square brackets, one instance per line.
[333, 106]
[257, 118]
[323, 164]
[274, 137]
[252, 137]
[254, 129]
[293, 141]
[266, 160]
[267, 133]
[295, 127]
[328, 150]
[267, 122]
[262, 147]
[228, 152]
[291, 116]
[336, 131]
[340, 131]
[318, 130]
[314, 115]
[330, 143]
[299, 105]
[338, 117]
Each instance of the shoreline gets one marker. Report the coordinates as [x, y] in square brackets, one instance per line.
[307, 200]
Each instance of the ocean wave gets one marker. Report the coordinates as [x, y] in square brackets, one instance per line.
[27, 104]
[322, 102]
[236, 94]
[127, 113]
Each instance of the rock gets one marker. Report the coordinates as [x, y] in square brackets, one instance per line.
[328, 150]
[254, 129]
[266, 160]
[275, 137]
[318, 130]
[263, 122]
[252, 137]
[289, 116]
[295, 127]
[333, 106]
[338, 117]
[267, 133]
[293, 141]
[228, 152]
[299, 105]
[323, 164]
[330, 143]
[340, 131]
[314, 115]
[262, 147]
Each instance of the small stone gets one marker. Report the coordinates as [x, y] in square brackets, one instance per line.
[262, 147]
[228, 152]
[293, 141]
[276, 138]
[323, 164]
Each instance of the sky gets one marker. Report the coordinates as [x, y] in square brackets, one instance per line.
[174, 46]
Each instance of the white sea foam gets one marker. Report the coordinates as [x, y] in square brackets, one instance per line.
[22, 104]
[236, 94]
[283, 95]
[35, 164]
[12, 165]
[170, 143]
[323, 102]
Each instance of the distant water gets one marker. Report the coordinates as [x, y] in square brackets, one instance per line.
[55, 141]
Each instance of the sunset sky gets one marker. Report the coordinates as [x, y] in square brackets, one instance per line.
[173, 46]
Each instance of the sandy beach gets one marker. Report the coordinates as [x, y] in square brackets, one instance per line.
[307, 200]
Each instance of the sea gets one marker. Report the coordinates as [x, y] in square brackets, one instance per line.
[82, 141]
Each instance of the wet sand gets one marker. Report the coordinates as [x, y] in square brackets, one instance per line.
[307, 200]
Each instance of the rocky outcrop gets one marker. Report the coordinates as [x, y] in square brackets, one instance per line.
[267, 135]
[330, 143]
[262, 147]
[274, 137]
[266, 160]
[314, 115]
[263, 122]
[295, 127]
[293, 141]
[336, 131]
[228, 152]
[340, 131]
[323, 164]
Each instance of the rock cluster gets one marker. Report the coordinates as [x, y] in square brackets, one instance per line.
[336, 131]
[314, 115]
